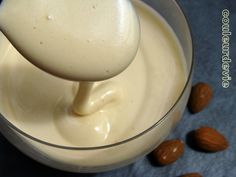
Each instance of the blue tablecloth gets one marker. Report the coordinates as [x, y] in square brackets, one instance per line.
[205, 20]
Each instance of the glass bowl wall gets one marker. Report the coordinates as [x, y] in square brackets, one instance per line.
[77, 159]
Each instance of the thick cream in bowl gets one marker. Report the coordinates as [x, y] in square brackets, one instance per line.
[36, 106]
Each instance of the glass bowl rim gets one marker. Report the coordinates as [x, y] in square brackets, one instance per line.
[128, 139]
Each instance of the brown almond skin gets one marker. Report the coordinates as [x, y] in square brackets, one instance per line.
[200, 97]
[168, 152]
[191, 175]
[210, 140]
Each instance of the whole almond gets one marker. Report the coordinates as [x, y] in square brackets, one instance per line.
[191, 175]
[210, 140]
[168, 152]
[200, 97]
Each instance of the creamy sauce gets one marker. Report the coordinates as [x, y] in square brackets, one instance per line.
[82, 40]
[40, 104]
[76, 40]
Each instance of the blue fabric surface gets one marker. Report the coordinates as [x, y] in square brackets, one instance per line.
[205, 20]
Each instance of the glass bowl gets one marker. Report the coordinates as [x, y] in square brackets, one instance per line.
[124, 152]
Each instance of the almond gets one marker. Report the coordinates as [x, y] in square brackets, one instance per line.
[200, 97]
[191, 175]
[210, 140]
[168, 152]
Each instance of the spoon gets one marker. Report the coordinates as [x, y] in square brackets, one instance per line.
[75, 40]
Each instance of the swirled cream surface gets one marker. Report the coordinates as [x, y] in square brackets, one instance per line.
[40, 104]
